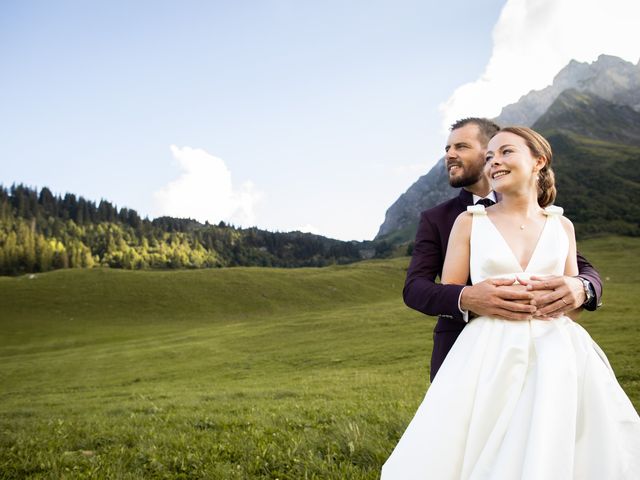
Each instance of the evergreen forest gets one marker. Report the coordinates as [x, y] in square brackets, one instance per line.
[40, 231]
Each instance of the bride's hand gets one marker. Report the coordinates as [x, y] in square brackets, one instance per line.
[562, 294]
[537, 294]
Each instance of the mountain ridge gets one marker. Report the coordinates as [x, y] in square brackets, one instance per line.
[588, 115]
[609, 77]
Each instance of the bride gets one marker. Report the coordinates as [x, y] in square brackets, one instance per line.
[519, 400]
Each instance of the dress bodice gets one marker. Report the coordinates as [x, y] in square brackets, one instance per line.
[491, 256]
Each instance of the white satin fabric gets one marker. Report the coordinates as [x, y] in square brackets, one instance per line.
[532, 400]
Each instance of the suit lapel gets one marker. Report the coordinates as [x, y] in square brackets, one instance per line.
[466, 198]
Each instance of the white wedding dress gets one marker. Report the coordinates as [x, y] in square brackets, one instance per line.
[520, 400]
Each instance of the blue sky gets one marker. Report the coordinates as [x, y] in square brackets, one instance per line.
[282, 114]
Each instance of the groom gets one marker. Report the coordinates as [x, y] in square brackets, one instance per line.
[549, 296]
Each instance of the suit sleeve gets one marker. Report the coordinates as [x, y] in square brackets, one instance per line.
[421, 292]
[586, 271]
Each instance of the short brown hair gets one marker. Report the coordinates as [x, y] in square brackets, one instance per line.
[539, 147]
[487, 127]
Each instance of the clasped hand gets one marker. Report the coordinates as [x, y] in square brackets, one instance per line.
[543, 297]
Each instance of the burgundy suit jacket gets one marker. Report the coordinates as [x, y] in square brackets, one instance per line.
[422, 293]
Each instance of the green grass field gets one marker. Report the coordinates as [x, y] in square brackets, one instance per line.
[235, 373]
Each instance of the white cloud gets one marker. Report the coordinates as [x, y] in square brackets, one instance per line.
[534, 39]
[308, 228]
[204, 191]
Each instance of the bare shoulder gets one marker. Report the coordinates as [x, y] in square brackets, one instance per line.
[567, 225]
[462, 225]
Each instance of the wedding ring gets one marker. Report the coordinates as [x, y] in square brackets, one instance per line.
[563, 301]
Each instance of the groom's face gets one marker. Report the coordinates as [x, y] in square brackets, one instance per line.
[464, 156]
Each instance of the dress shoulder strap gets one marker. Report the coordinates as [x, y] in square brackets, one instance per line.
[476, 210]
[553, 210]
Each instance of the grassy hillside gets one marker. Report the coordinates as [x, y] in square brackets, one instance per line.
[234, 373]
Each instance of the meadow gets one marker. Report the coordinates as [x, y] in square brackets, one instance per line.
[236, 373]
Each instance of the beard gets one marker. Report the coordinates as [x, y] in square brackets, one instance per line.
[468, 177]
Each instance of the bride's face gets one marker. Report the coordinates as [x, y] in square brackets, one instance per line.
[510, 165]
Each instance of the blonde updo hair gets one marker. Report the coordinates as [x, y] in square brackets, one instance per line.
[539, 147]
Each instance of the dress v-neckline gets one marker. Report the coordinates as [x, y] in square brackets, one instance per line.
[513, 255]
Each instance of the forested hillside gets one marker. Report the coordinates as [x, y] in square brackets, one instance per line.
[40, 231]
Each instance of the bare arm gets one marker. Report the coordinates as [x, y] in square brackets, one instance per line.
[456, 262]
[571, 265]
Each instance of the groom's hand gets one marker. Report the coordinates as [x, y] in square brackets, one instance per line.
[499, 298]
[568, 294]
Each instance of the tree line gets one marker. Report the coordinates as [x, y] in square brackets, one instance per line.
[40, 231]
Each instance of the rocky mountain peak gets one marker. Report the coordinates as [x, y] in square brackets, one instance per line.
[605, 61]
[571, 74]
[608, 77]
